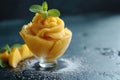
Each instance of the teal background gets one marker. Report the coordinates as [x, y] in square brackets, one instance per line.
[12, 9]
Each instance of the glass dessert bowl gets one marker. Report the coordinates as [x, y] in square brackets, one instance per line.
[47, 38]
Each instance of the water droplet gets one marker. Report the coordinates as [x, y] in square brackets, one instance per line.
[105, 74]
[118, 53]
[85, 34]
[106, 51]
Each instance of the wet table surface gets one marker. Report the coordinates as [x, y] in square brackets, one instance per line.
[94, 53]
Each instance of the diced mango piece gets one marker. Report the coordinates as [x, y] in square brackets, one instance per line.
[15, 57]
[4, 56]
[19, 54]
[25, 52]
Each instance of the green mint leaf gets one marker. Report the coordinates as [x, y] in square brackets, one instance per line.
[44, 14]
[6, 48]
[45, 6]
[54, 12]
[16, 46]
[2, 50]
[2, 64]
[43, 10]
[36, 8]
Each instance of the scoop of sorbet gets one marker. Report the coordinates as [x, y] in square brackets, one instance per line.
[47, 38]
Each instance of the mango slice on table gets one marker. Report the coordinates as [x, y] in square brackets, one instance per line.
[14, 57]
[4, 56]
[25, 52]
[19, 54]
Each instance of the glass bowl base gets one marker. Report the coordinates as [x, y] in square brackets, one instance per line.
[47, 63]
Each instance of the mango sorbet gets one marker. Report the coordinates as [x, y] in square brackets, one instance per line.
[46, 37]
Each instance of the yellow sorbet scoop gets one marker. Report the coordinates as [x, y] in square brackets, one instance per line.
[46, 37]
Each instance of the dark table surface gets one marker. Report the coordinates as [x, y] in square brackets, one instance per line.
[94, 53]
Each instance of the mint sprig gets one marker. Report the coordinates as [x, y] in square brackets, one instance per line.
[43, 9]
[36, 8]
[5, 49]
[52, 12]
[2, 64]
[45, 6]
[16, 46]
[8, 49]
